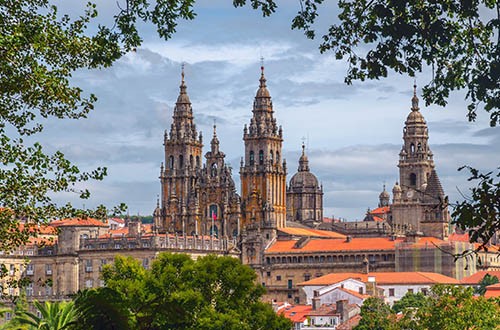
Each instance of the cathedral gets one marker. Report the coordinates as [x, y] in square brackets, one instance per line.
[199, 197]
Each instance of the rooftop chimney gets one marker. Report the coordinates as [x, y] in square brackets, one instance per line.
[343, 310]
[316, 303]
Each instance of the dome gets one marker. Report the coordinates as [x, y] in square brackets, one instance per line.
[304, 179]
[415, 116]
[384, 194]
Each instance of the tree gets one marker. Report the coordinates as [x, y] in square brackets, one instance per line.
[485, 281]
[453, 307]
[409, 300]
[375, 315]
[54, 316]
[180, 293]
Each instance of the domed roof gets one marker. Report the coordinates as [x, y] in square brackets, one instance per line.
[183, 98]
[384, 194]
[262, 91]
[303, 177]
[415, 115]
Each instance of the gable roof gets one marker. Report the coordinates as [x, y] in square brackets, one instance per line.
[477, 277]
[87, 222]
[382, 278]
[310, 232]
[329, 244]
[380, 210]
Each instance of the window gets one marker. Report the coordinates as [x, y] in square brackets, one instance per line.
[271, 157]
[118, 246]
[278, 278]
[252, 158]
[261, 157]
[88, 284]
[48, 269]
[307, 277]
[391, 292]
[102, 283]
[29, 289]
[48, 290]
[412, 148]
[88, 266]
[277, 157]
[213, 171]
[268, 273]
[198, 161]
[145, 263]
[11, 291]
[360, 290]
[410, 290]
[12, 270]
[424, 291]
[263, 284]
[290, 284]
[191, 161]
[171, 162]
[297, 300]
[181, 161]
[103, 262]
[289, 295]
[413, 179]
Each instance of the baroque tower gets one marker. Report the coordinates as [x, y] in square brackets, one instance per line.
[419, 194]
[263, 175]
[183, 151]
[304, 196]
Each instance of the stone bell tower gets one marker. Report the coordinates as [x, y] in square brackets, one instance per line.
[263, 174]
[419, 191]
[183, 147]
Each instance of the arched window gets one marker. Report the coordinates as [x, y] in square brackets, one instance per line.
[419, 146]
[261, 157]
[271, 157]
[181, 161]
[252, 158]
[191, 161]
[214, 169]
[412, 148]
[413, 179]
[171, 162]
[277, 157]
[197, 161]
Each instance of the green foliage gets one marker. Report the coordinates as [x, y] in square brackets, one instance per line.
[375, 315]
[101, 308]
[453, 307]
[479, 213]
[178, 293]
[447, 308]
[410, 300]
[485, 281]
[54, 316]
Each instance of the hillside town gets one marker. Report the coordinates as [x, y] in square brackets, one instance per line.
[317, 271]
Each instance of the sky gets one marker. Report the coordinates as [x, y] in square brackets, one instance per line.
[353, 133]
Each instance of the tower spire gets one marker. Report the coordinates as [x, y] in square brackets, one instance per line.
[414, 100]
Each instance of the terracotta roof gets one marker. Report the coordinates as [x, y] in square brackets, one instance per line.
[117, 220]
[459, 237]
[380, 210]
[375, 218]
[349, 324]
[88, 222]
[329, 220]
[382, 278]
[311, 232]
[378, 243]
[492, 291]
[296, 313]
[355, 293]
[41, 229]
[477, 277]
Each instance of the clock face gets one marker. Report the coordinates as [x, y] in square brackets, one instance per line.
[410, 194]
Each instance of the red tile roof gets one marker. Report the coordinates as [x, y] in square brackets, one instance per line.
[477, 277]
[296, 313]
[355, 293]
[375, 218]
[380, 210]
[349, 324]
[384, 278]
[88, 222]
[311, 232]
[459, 237]
[492, 291]
[316, 245]
[330, 220]
[117, 220]
[40, 229]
